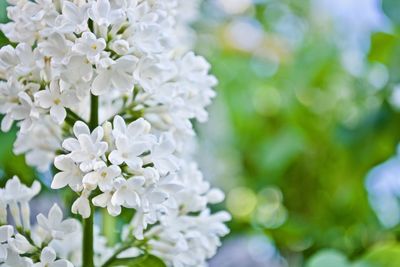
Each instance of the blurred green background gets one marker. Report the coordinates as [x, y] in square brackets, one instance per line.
[308, 103]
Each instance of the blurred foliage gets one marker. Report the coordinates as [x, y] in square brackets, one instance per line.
[305, 124]
[142, 261]
[11, 164]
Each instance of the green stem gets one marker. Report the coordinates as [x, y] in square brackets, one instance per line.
[125, 246]
[87, 242]
[94, 112]
[87, 247]
[114, 257]
[109, 227]
[26, 234]
[73, 115]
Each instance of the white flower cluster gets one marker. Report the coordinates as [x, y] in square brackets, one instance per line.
[191, 234]
[124, 51]
[106, 90]
[128, 166]
[23, 245]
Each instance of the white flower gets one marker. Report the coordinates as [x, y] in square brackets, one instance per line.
[104, 200]
[8, 58]
[18, 61]
[48, 258]
[89, 46]
[197, 192]
[70, 247]
[56, 100]
[102, 13]
[73, 18]
[54, 226]
[103, 176]
[131, 142]
[17, 196]
[152, 73]
[8, 100]
[77, 75]
[88, 148]
[27, 61]
[127, 192]
[70, 174]
[81, 205]
[155, 202]
[39, 144]
[6, 232]
[193, 73]
[121, 47]
[188, 240]
[14, 259]
[25, 112]
[20, 244]
[162, 155]
[57, 47]
[115, 75]
[135, 129]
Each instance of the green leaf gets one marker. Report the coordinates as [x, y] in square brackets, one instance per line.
[382, 47]
[141, 261]
[387, 255]
[10, 164]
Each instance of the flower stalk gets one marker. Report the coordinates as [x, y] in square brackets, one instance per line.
[87, 247]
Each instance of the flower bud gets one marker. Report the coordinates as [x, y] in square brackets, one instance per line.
[3, 213]
[15, 213]
[26, 215]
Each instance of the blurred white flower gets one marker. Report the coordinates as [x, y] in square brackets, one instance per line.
[115, 75]
[6, 231]
[25, 112]
[54, 226]
[48, 258]
[39, 144]
[17, 197]
[73, 17]
[103, 14]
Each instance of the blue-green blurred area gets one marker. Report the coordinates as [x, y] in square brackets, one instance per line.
[308, 103]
